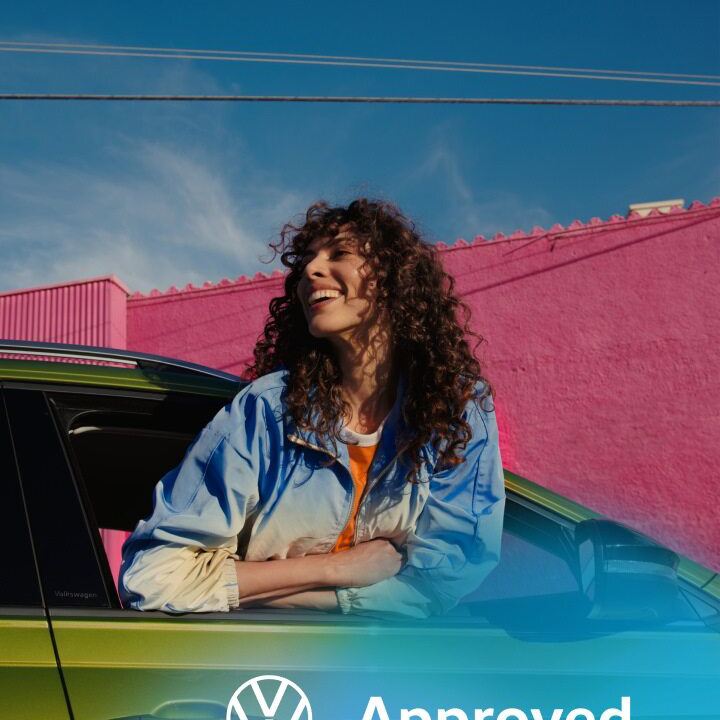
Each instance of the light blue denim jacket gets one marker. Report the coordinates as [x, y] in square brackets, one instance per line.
[253, 486]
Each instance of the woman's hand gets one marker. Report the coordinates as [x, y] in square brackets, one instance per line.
[365, 564]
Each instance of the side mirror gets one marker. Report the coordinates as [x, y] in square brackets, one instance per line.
[625, 575]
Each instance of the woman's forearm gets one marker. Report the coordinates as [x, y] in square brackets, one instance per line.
[361, 565]
[271, 578]
[310, 599]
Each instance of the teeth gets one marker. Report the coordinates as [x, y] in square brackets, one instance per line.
[322, 294]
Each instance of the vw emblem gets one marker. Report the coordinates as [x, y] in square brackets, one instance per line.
[269, 697]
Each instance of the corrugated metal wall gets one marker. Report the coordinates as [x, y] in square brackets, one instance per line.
[88, 312]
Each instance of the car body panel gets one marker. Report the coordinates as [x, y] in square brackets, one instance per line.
[64, 373]
[168, 660]
[30, 683]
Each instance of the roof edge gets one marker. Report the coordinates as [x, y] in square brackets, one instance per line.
[68, 283]
[576, 226]
[208, 286]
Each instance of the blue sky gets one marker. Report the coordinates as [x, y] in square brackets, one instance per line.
[171, 194]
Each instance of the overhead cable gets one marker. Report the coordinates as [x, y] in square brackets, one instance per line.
[360, 58]
[362, 62]
[354, 99]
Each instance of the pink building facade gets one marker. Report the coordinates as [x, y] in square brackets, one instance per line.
[601, 340]
[85, 312]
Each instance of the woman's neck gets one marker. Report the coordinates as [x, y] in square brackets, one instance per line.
[369, 383]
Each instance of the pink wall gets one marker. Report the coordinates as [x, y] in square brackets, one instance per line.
[216, 325]
[84, 312]
[602, 344]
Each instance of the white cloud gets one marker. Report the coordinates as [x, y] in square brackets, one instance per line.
[475, 210]
[188, 207]
[164, 217]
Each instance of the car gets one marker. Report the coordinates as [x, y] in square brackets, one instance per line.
[580, 612]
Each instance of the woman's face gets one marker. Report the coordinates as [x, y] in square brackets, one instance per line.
[336, 290]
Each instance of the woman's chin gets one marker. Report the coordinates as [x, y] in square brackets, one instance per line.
[326, 330]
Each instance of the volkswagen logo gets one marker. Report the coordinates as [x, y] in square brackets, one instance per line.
[269, 697]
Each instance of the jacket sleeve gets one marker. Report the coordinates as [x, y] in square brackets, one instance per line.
[456, 541]
[182, 558]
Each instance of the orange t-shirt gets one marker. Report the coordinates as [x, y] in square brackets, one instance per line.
[360, 459]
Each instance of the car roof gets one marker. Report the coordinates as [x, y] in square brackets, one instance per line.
[111, 368]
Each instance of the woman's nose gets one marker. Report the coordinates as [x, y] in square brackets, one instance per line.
[317, 267]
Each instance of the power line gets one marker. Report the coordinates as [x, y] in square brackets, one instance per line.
[352, 99]
[363, 62]
[347, 57]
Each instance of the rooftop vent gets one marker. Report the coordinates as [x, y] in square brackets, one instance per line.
[662, 205]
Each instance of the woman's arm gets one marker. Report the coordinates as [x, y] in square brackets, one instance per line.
[310, 599]
[456, 541]
[182, 557]
[284, 583]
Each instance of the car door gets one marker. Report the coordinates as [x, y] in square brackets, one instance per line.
[30, 681]
[124, 664]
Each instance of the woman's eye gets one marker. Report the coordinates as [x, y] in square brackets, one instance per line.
[339, 253]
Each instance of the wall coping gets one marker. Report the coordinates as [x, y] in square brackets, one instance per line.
[69, 283]
[615, 222]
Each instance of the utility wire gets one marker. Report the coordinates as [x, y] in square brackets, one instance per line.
[363, 62]
[352, 99]
[358, 58]
[347, 57]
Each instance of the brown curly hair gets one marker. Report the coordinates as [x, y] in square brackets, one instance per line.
[429, 326]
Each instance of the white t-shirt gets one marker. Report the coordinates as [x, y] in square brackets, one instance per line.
[350, 437]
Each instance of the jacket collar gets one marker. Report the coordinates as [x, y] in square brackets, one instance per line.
[387, 449]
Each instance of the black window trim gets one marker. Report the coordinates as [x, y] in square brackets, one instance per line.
[37, 529]
[5, 427]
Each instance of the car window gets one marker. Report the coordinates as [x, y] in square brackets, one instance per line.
[18, 575]
[527, 569]
[537, 575]
[119, 446]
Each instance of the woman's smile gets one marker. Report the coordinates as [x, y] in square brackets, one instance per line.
[319, 297]
[322, 303]
[334, 288]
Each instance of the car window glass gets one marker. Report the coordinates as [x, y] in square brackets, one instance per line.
[18, 575]
[536, 579]
[526, 569]
[120, 446]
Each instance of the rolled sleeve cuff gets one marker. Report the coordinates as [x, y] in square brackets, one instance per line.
[229, 578]
[394, 596]
[345, 599]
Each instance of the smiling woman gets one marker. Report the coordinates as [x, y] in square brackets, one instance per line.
[360, 468]
[334, 289]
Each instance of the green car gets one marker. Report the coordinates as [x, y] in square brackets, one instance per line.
[580, 613]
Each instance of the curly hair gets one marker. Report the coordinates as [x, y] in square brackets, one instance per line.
[428, 324]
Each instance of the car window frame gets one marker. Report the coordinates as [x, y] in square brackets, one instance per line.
[34, 602]
[78, 534]
[532, 514]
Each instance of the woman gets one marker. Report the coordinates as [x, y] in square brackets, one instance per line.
[360, 470]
